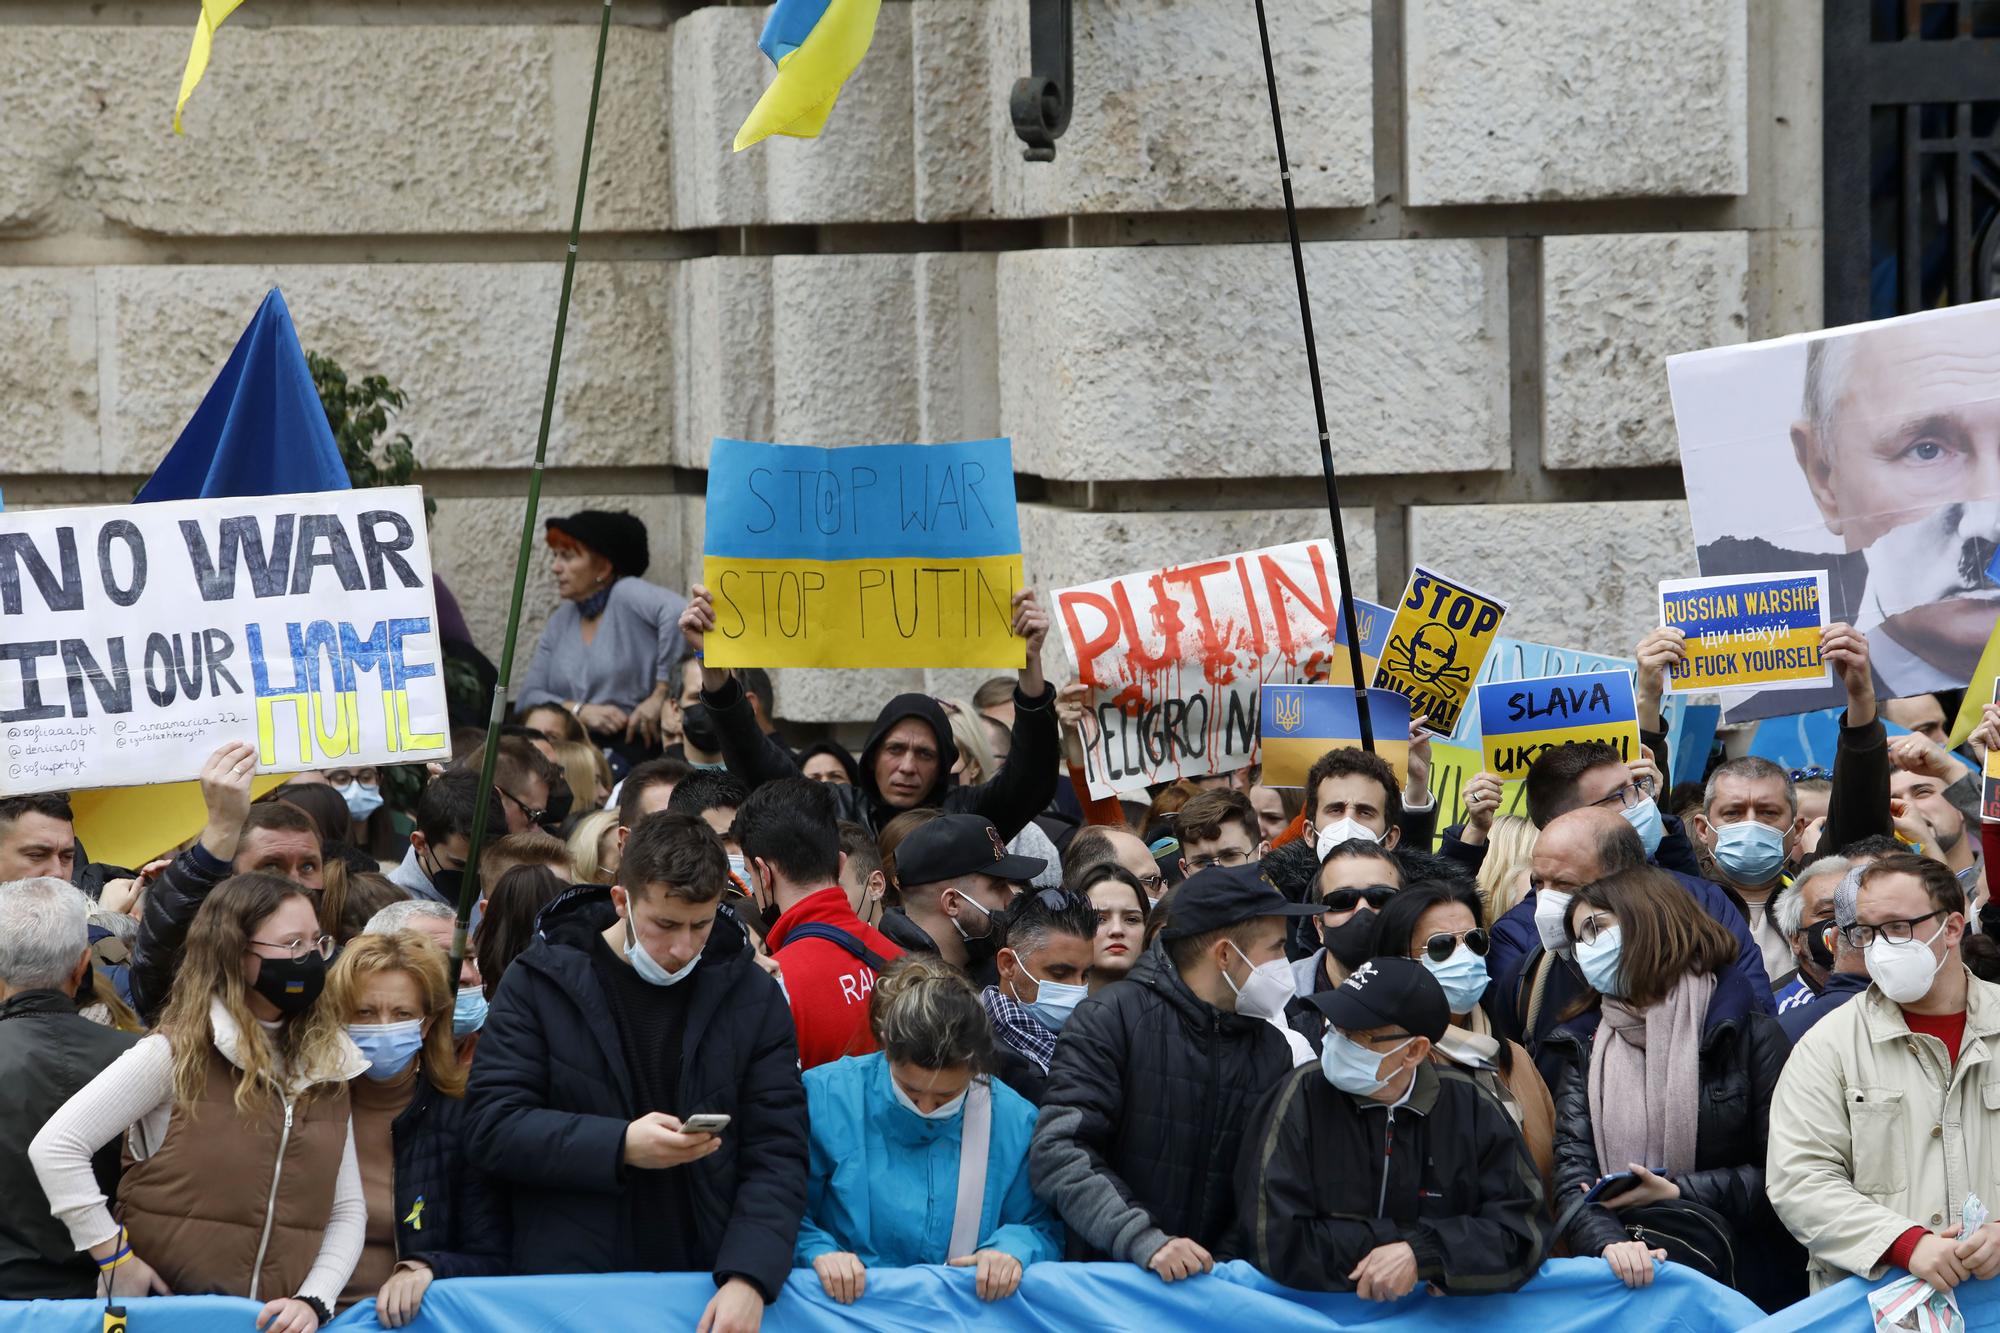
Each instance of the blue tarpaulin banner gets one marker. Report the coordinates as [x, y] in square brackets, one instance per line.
[1569, 1296]
[1843, 1308]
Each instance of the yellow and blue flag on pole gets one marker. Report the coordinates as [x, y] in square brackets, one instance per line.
[260, 430]
[212, 14]
[816, 45]
[1297, 724]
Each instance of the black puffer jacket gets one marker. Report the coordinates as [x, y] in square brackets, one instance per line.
[551, 1097]
[47, 1052]
[1318, 1185]
[170, 904]
[1025, 783]
[1148, 1098]
[1742, 1054]
[448, 1213]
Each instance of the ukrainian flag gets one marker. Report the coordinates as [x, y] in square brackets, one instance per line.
[816, 45]
[1299, 723]
[213, 12]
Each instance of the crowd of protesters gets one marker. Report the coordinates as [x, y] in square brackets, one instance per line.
[736, 1007]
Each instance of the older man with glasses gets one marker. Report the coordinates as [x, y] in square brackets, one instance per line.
[1884, 1124]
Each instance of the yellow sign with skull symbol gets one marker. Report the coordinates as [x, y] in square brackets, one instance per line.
[1442, 632]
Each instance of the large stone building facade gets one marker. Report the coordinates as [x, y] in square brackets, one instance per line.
[1513, 209]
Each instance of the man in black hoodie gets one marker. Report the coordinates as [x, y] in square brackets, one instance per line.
[909, 757]
[638, 1007]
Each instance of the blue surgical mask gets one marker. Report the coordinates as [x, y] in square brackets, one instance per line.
[1054, 1000]
[650, 971]
[468, 1011]
[389, 1047]
[1350, 1066]
[1599, 961]
[1749, 852]
[1645, 817]
[362, 801]
[1463, 977]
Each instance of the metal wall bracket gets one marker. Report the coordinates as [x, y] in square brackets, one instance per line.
[1041, 102]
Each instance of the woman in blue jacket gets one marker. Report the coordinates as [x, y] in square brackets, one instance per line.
[888, 1137]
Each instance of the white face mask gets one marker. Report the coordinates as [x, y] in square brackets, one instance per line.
[1551, 909]
[1268, 989]
[1903, 972]
[944, 1112]
[1343, 829]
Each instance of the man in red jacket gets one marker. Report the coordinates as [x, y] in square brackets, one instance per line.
[789, 831]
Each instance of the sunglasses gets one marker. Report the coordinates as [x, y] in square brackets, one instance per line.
[1346, 900]
[1442, 946]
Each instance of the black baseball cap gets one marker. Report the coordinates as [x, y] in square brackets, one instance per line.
[954, 845]
[1388, 992]
[1224, 896]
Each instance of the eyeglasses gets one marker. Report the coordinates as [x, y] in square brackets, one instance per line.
[1635, 792]
[534, 816]
[1895, 932]
[1346, 900]
[1152, 883]
[1813, 774]
[340, 777]
[1444, 944]
[1228, 856]
[300, 946]
[1595, 926]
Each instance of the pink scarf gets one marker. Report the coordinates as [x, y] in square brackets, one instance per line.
[1655, 1052]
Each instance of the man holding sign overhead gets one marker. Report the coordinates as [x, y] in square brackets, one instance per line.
[871, 601]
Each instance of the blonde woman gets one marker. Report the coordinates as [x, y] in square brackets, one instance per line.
[1503, 875]
[593, 847]
[588, 773]
[245, 1181]
[430, 1212]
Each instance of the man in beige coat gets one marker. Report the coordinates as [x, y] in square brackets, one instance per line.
[1887, 1116]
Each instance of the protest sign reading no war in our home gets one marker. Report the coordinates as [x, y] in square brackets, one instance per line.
[1174, 658]
[137, 638]
[889, 555]
[1744, 631]
[1519, 719]
[1441, 634]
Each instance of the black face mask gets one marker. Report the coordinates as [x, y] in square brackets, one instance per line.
[1352, 942]
[1816, 944]
[561, 799]
[699, 729]
[291, 984]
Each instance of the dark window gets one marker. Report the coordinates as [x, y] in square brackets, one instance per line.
[1912, 143]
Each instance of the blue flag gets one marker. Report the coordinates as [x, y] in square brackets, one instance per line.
[261, 429]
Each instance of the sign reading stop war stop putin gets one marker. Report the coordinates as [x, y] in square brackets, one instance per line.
[137, 638]
[881, 555]
[1175, 658]
[1442, 632]
[1758, 630]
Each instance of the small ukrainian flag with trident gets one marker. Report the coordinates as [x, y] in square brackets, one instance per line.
[213, 12]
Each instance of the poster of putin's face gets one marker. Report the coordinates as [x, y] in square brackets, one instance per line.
[1872, 452]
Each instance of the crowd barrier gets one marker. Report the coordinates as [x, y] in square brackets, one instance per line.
[1568, 1296]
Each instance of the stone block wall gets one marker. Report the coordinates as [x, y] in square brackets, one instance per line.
[1513, 210]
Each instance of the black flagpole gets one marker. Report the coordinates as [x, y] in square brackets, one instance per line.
[1319, 399]
[482, 803]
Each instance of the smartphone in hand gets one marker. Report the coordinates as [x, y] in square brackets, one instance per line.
[1606, 1186]
[704, 1124]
